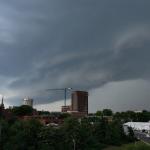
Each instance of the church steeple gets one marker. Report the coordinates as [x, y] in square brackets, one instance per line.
[2, 102]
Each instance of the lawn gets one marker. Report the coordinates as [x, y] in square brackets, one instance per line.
[133, 146]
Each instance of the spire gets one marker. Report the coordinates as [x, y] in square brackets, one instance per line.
[2, 100]
[2, 103]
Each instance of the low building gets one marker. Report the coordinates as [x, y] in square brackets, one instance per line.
[44, 119]
[65, 108]
[140, 126]
[77, 114]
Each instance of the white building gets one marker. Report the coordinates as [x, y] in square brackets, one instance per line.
[28, 101]
[140, 126]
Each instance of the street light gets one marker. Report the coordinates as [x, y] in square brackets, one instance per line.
[74, 144]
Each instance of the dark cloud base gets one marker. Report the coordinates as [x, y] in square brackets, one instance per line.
[83, 45]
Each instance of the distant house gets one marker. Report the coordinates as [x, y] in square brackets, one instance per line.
[44, 119]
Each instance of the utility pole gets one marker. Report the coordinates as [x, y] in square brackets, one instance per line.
[62, 89]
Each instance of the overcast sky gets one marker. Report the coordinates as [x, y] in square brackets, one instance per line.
[102, 46]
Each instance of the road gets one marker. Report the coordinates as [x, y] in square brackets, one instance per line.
[142, 136]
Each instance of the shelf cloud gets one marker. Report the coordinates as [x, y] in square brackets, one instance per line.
[80, 44]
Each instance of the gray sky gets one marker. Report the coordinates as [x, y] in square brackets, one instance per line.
[102, 46]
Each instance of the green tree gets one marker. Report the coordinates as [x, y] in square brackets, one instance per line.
[23, 135]
[71, 128]
[99, 113]
[51, 139]
[4, 133]
[107, 112]
[86, 139]
[22, 110]
[101, 131]
[130, 137]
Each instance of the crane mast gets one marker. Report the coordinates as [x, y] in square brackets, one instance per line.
[62, 89]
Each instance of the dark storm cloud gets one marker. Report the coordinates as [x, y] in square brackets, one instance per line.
[80, 44]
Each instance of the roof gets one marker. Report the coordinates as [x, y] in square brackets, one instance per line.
[138, 125]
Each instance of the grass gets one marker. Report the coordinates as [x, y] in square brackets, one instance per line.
[133, 146]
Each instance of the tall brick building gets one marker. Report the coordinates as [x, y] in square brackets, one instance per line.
[79, 102]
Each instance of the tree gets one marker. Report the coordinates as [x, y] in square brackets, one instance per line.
[4, 133]
[86, 139]
[51, 139]
[23, 135]
[71, 129]
[130, 137]
[99, 113]
[101, 131]
[22, 110]
[107, 112]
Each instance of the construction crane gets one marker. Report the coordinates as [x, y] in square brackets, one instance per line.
[62, 89]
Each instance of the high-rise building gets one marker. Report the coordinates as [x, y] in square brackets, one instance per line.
[80, 102]
[28, 101]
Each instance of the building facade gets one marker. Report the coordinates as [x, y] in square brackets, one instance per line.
[65, 108]
[28, 101]
[79, 102]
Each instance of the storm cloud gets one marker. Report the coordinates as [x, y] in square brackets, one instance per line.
[81, 44]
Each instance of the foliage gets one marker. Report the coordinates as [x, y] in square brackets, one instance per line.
[110, 133]
[131, 146]
[31, 135]
[136, 146]
[99, 113]
[89, 133]
[21, 135]
[43, 112]
[127, 116]
[23, 110]
[50, 139]
[107, 112]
